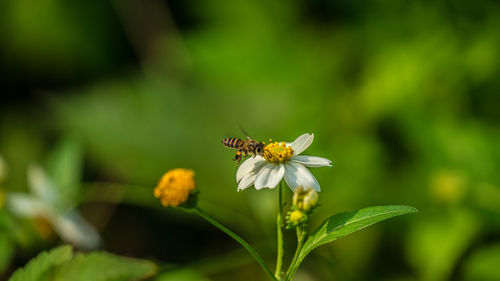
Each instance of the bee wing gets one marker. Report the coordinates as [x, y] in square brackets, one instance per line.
[244, 132]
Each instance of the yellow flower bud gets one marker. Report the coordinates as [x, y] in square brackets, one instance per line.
[296, 216]
[305, 198]
[175, 186]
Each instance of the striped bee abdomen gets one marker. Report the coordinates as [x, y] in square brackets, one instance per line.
[233, 142]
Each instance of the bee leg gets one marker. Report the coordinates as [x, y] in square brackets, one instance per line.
[237, 157]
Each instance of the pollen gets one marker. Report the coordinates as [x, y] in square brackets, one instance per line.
[277, 152]
[175, 186]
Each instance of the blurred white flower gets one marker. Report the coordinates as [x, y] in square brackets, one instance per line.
[281, 160]
[45, 202]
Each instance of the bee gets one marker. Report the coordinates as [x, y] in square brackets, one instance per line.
[244, 148]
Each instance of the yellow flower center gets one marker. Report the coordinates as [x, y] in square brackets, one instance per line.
[277, 152]
[43, 228]
[296, 216]
[175, 186]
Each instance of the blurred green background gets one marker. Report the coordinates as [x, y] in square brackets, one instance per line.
[403, 96]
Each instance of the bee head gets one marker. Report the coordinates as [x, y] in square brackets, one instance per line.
[260, 148]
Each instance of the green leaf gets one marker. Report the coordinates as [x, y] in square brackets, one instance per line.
[101, 266]
[59, 265]
[187, 274]
[346, 223]
[40, 267]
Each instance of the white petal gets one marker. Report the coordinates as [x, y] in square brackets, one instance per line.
[302, 143]
[311, 161]
[297, 175]
[73, 228]
[251, 165]
[41, 186]
[27, 206]
[273, 177]
[262, 176]
[247, 181]
[276, 175]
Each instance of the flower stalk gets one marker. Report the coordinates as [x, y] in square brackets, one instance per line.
[294, 265]
[235, 236]
[279, 228]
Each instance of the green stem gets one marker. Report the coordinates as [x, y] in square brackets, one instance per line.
[237, 238]
[294, 265]
[279, 223]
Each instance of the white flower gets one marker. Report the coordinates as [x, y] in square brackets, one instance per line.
[46, 202]
[281, 160]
